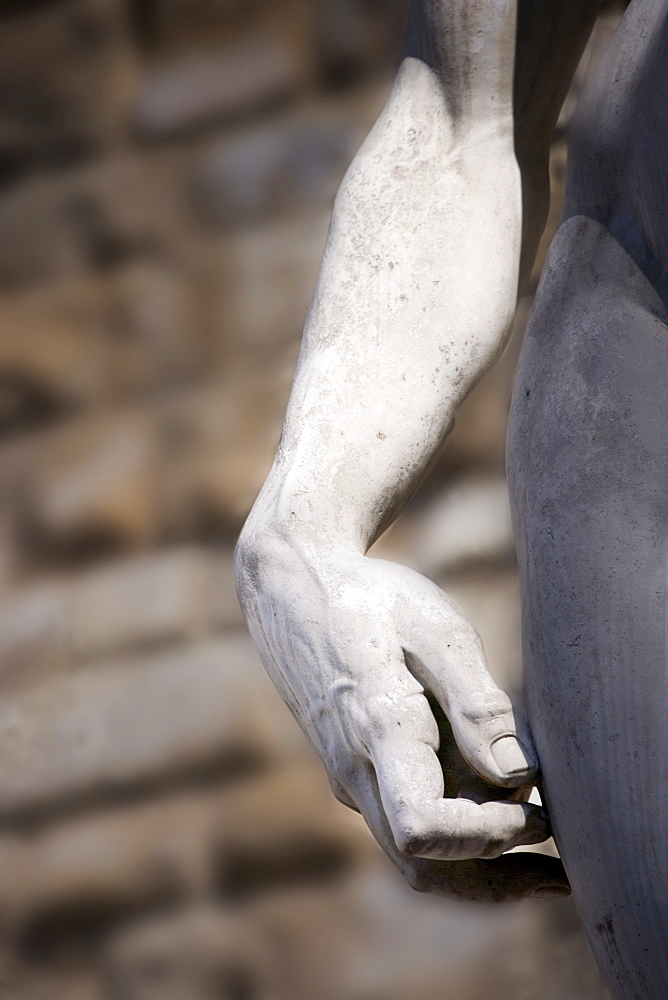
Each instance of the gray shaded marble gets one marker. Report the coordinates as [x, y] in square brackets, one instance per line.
[588, 465]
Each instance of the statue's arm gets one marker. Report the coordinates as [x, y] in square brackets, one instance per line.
[415, 297]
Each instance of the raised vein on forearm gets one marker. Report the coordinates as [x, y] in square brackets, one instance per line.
[417, 288]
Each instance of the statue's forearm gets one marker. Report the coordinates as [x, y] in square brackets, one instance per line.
[416, 293]
[419, 280]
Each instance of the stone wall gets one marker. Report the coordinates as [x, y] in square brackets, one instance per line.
[167, 169]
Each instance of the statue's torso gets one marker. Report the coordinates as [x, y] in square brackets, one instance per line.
[588, 473]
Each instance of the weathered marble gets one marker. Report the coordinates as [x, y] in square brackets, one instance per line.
[435, 227]
[426, 236]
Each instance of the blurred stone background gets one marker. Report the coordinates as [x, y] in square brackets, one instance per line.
[167, 169]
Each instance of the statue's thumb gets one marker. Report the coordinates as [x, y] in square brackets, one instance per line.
[487, 737]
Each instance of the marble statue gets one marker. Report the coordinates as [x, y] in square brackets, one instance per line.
[434, 231]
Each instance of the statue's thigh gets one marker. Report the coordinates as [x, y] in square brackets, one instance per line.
[588, 470]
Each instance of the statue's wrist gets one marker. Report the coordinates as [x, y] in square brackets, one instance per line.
[273, 545]
[303, 521]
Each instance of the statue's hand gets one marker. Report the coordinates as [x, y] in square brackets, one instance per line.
[366, 654]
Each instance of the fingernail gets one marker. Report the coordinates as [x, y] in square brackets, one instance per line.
[509, 756]
[551, 889]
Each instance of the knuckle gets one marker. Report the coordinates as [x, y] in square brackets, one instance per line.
[495, 707]
[385, 719]
[410, 833]
[464, 634]
[374, 720]
[424, 720]
[500, 831]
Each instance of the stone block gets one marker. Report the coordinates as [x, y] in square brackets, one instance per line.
[37, 243]
[177, 26]
[187, 466]
[122, 209]
[464, 525]
[53, 357]
[91, 486]
[268, 276]
[84, 341]
[169, 596]
[35, 634]
[153, 327]
[184, 23]
[200, 952]
[221, 442]
[284, 827]
[279, 167]
[102, 216]
[355, 38]
[142, 601]
[66, 74]
[110, 861]
[223, 610]
[285, 831]
[209, 87]
[117, 726]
